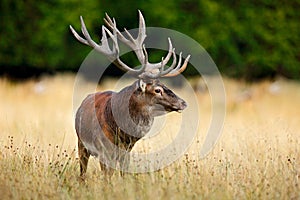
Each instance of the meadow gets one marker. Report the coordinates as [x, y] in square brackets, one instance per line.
[256, 157]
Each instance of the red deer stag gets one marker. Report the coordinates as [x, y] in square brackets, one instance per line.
[106, 120]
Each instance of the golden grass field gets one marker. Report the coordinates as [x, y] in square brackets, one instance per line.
[256, 157]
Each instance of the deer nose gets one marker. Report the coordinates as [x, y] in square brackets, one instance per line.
[183, 105]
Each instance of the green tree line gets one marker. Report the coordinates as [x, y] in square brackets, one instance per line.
[248, 39]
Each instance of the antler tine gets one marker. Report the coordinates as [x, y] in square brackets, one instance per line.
[86, 34]
[108, 21]
[104, 48]
[142, 28]
[118, 61]
[115, 58]
[179, 69]
[111, 23]
[157, 69]
[88, 40]
[113, 26]
[78, 37]
[154, 66]
[171, 51]
[163, 72]
[135, 44]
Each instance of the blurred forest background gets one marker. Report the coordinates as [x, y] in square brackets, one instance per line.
[246, 39]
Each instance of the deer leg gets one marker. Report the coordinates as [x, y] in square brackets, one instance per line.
[107, 170]
[83, 158]
[124, 163]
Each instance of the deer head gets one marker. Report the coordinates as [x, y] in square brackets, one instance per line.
[158, 98]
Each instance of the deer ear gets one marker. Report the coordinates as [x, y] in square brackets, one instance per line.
[142, 85]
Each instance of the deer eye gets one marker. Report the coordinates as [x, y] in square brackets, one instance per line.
[157, 91]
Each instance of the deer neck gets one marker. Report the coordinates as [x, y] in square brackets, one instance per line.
[129, 114]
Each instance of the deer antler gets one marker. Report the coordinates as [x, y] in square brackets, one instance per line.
[148, 70]
[113, 55]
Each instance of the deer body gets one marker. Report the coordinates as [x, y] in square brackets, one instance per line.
[96, 126]
[108, 124]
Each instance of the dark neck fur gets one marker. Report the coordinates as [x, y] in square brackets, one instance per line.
[130, 125]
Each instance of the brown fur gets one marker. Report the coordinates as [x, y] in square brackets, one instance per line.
[102, 124]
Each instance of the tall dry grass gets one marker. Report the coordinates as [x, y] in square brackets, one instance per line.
[257, 156]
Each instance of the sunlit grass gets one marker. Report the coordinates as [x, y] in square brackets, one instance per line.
[257, 156]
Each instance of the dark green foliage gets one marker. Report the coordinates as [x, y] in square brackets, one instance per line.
[248, 39]
[36, 34]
